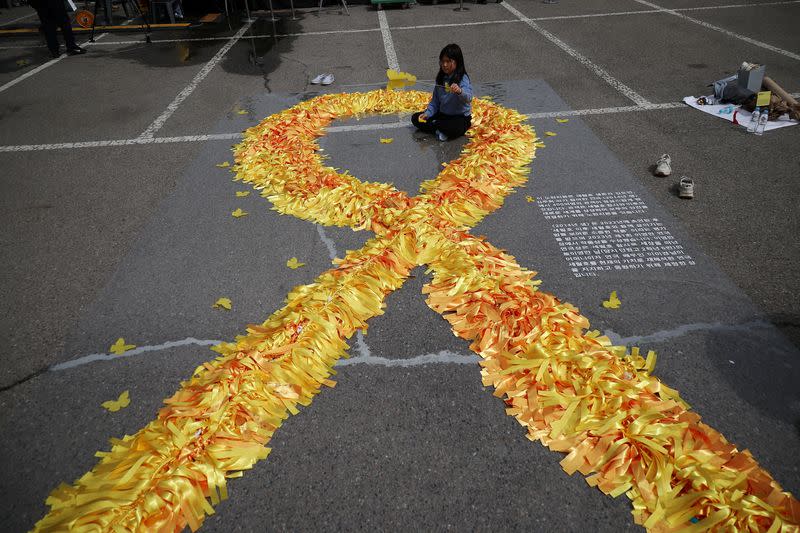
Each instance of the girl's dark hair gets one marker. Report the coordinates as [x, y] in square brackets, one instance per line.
[453, 51]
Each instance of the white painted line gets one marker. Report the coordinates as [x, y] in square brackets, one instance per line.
[457, 24]
[388, 44]
[682, 330]
[248, 37]
[585, 61]
[364, 356]
[606, 110]
[30, 73]
[189, 89]
[9, 22]
[120, 142]
[333, 129]
[662, 10]
[42, 67]
[327, 241]
[733, 6]
[723, 30]
[369, 127]
[91, 358]
[442, 357]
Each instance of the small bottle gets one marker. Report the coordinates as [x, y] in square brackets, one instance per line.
[762, 122]
[751, 126]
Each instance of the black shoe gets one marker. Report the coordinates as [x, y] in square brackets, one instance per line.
[77, 50]
[55, 53]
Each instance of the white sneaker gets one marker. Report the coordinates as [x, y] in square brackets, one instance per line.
[327, 79]
[318, 79]
[664, 166]
[442, 137]
[686, 188]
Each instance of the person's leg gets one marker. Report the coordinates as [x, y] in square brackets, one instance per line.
[59, 14]
[426, 126]
[66, 29]
[49, 30]
[453, 126]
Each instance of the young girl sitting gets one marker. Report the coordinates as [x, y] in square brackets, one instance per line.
[449, 114]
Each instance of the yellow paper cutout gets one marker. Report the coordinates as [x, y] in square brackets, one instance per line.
[119, 347]
[239, 213]
[225, 164]
[120, 403]
[550, 133]
[613, 302]
[386, 140]
[530, 199]
[562, 120]
[223, 303]
[763, 98]
[398, 80]
[242, 194]
[241, 112]
[293, 263]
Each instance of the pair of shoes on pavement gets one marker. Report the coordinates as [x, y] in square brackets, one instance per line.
[685, 185]
[323, 79]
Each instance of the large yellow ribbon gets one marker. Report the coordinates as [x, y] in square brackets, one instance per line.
[572, 390]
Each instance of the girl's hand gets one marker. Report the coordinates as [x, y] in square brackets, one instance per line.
[454, 88]
[423, 118]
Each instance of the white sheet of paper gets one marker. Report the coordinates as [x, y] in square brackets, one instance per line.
[734, 113]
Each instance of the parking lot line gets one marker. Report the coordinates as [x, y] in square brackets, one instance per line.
[119, 142]
[597, 69]
[158, 123]
[388, 44]
[41, 67]
[333, 129]
[723, 30]
[12, 21]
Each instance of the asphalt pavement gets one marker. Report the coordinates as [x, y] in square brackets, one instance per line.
[110, 231]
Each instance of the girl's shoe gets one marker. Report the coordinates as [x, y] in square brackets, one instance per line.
[686, 188]
[664, 165]
[318, 79]
[327, 79]
[442, 137]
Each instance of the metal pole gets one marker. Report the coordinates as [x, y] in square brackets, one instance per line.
[247, 8]
[291, 4]
[272, 13]
[461, 6]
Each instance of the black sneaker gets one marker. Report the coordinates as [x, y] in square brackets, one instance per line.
[77, 50]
